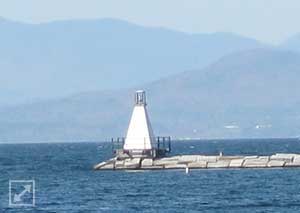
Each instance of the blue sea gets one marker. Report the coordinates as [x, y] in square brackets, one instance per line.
[65, 181]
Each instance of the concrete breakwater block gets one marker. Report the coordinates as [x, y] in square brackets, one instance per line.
[119, 164]
[276, 163]
[295, 162]
[251, 157]
[208, 158]
[218, 164]
[100, 165]
[148, 162]
[132, 163]
[236, 163]
[108, 166]
[162, 162]
[197, 164]
[292, 164]
[256, 162]
[175, 166]
[282, 156]
[230, 157]
[296, 159]
[173, 158]
[188, 158]
[152, 167]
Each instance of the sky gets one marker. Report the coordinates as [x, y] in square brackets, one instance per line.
[270, 21]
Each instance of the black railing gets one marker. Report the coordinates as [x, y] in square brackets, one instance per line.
[117, 143]
[161, 144]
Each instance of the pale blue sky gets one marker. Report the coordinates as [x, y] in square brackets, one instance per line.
[267, 20]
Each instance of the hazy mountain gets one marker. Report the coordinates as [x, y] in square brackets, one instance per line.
[293, 43]
[66, 57]
[247, 94]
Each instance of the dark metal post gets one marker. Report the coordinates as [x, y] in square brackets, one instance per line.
[169, 144]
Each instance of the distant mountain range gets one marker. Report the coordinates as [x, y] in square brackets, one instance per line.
[293, 43]
[251, 93]
[50, 60]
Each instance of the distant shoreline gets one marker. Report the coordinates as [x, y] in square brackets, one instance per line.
[174, 140]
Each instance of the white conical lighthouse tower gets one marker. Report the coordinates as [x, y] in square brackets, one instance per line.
[140, 135]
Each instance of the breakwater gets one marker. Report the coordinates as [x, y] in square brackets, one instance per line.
[201, 162]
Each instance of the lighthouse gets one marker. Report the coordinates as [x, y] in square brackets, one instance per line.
[140, 140]
[139, 134]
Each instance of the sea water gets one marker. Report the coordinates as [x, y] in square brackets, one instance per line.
[65, 181]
